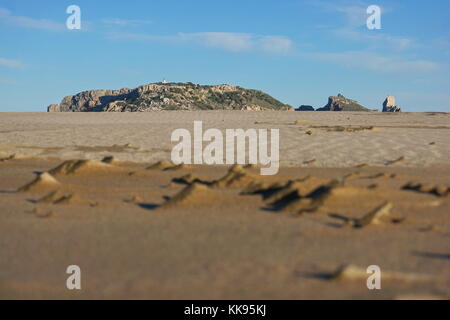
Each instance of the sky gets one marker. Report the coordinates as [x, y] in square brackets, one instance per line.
[298, 51]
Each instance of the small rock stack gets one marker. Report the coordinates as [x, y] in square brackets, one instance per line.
[389, 105]
[305, 108]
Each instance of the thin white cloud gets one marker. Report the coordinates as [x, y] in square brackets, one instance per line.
[377, 62]
[242, 42]
[376, 39]
[354, 28]
[227, 41]
[234, 42]
[21, 21]
[126, 22]
[354, 13]
[137, 37]
[276, 44]
[11, 63]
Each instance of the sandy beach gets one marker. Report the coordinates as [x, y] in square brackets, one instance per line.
[354, 189]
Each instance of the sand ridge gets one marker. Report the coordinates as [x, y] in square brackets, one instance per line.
[309, 194]
[82, 166]
[42, 181]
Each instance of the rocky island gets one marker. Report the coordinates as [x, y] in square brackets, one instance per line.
[341, 103]
[169, 96]
[336, 103]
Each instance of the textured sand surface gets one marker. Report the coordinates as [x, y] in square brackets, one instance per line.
[210, 232]
[145, 137]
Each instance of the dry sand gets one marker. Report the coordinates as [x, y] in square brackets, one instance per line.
[358, 189]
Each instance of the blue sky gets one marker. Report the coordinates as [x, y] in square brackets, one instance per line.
[300, 51]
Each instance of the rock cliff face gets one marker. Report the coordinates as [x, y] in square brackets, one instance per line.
[341, 103]
[53, 108]
[169, 96]
[389, 105]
